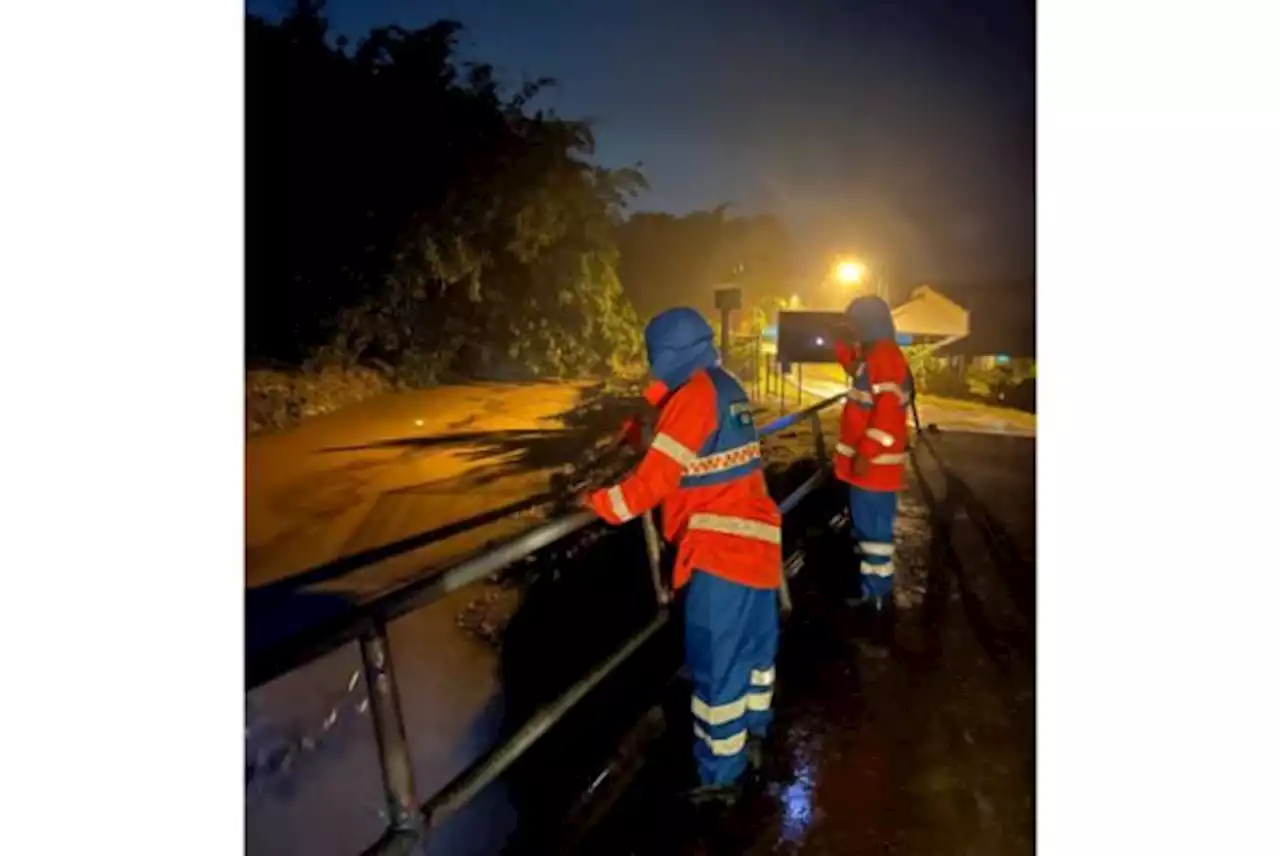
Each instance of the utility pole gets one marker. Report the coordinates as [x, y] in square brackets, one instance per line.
[755, 365]
[728, 298]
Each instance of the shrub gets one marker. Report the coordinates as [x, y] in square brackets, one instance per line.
[280, 399]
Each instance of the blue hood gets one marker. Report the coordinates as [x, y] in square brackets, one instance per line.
[871, 319]
[679, 342]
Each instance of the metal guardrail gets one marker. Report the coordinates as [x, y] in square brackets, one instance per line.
[409, 819]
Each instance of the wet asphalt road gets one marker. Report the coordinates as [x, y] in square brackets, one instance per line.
[921, 747]
[918, 743]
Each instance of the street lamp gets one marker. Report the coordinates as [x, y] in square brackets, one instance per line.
[849, 272]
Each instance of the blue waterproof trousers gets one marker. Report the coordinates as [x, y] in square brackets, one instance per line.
[872, 513]
[731, 638]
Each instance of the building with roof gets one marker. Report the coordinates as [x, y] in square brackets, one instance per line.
[992, 327]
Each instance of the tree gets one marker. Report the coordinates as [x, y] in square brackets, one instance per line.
[403, 209]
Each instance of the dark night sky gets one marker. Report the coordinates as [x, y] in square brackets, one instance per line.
[900, 129]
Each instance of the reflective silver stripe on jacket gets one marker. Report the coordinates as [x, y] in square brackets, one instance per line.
[619, 503]
[884, 438]
[887, 458]
[674, 449]
[877, 388]
[727, 525]
[860, 396]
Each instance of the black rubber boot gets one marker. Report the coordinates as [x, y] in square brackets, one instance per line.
[883, 615]
[853, 596]
[714, 795]
[755, 754]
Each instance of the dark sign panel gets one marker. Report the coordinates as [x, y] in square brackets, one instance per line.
[809, 337]
[729, 297]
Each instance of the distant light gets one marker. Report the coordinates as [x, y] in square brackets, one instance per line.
[419, 422]
[795, 301]
[820, 341]
[849, 272]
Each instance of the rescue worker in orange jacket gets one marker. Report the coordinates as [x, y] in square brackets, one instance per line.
[704, 468]
[872, 449]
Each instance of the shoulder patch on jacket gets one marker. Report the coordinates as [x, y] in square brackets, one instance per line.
[741, 411]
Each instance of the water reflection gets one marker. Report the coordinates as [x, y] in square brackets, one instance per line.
[796, 798]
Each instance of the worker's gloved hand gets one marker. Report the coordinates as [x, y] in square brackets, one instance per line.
[861, 466]
[847, 355]
[632, 433]
[599, 502]
[656, 393]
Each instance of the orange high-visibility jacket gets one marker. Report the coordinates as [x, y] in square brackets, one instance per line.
[704, 467]
[873, 424]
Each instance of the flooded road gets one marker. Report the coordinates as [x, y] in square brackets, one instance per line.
[435, 461]
[923, 747]
[469, 667]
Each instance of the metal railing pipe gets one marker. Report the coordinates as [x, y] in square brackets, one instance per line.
[474, 779]
[325, 637]
[321, 639]
[368, 624]
[790, 419]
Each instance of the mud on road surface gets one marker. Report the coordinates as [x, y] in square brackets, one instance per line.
[923, 748]
[471, 666]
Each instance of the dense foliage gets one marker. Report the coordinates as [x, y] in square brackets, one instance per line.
[403, 210]
[976, 380]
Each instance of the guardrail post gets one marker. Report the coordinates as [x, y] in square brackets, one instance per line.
[755, 365]
[784, 594]
[652, 540]
[388, 729]
[782, 388]
[653, 548]
[819, 445]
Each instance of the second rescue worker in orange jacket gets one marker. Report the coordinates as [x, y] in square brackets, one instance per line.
[704, 468]
[872, 449]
